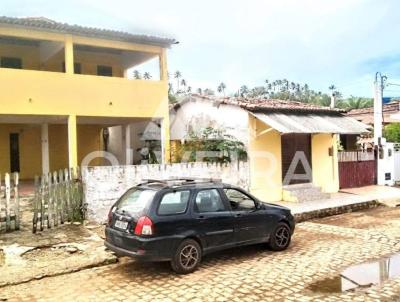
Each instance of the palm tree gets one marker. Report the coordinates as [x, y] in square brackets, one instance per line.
[136, 75]
[189, 89]
[177, 76]
[208, 91]
[147, 76]
[285, 83]
[279, 83]
[183, 83]
[199, 91]
[221, 88]
[243, 91]
[332, 88]
[357, 103]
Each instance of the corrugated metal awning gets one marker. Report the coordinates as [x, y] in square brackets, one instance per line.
[311, 123]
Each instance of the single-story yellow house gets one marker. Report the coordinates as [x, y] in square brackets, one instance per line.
[292, 146]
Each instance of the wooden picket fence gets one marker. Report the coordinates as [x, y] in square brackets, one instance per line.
[58, 199]
[9, 203]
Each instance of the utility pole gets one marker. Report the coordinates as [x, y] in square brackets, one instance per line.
[384, 150]
[333, 99]
[378, 120]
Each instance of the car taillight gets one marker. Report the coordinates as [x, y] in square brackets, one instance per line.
[144, 226]
[110, 216]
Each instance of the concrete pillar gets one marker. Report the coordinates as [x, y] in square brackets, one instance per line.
[72, 142]
[127, 145]
[165, 141]
[163, 65]
[45, 149]
[69, 55]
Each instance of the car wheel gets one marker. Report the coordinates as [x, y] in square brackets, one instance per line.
[187, 257]
[280, 238]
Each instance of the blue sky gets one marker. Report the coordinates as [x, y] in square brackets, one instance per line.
[245, 42]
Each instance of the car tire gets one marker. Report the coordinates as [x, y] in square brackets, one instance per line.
[280, 237]
[187, 257]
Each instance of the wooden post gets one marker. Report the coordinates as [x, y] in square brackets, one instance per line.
[49, 201]
[8, 199]
[16, 200]
[68, 194]
[1, 206]
[55, 199]
[42, 202]
[35, 205]
[61, 195]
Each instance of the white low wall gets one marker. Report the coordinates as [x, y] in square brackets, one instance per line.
[103, 185]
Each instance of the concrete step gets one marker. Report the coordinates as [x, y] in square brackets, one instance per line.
[304, 192]
[298, 186]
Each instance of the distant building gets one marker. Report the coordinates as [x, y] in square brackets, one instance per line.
[391, 114]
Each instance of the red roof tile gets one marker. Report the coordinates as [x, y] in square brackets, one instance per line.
[258, 104]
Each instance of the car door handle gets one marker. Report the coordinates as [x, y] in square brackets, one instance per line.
[201, 217]
[238, 215]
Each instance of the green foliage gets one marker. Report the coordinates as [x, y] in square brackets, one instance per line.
[226, 146]
[392, 133]
[357, 103]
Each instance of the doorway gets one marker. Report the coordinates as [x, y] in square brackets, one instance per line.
[292, 143]
[14, 152]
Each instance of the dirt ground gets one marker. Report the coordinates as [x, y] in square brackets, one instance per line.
[368, 219]
[320, 250]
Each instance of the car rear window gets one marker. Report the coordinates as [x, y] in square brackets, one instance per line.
[174, 203]
[135, 200]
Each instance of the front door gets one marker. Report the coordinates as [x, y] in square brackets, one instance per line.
[296, 158]
[14, 152]
[213, 219]
[251, 224]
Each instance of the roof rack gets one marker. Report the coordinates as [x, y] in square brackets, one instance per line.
[179, 180]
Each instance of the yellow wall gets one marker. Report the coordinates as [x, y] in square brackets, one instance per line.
[265, 162]
[40, 92]
[89, 141]
[325, 167]
[52, 93]
[30, 149]
[58, 147]
[266, 174]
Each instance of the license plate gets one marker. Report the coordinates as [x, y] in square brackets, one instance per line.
[121, 224]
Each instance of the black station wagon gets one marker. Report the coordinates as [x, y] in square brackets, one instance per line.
[181, 220]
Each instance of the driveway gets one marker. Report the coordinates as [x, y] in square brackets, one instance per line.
[321, 249]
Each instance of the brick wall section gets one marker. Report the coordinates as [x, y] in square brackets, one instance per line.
[103, 185]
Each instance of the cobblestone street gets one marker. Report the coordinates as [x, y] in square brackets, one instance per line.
[320, 249]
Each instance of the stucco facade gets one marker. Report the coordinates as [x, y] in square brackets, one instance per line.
[65, 84]
[269, 159]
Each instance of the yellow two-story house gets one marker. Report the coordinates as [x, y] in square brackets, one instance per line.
[63, 85]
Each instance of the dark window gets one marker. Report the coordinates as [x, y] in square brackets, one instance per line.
[7, 62]
[77, 68]
[103, 70]
[239, 201]
[14, 152]
[209, 201]
[174, 203]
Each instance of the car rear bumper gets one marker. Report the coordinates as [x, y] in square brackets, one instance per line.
[144, 249]
[139, 255]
